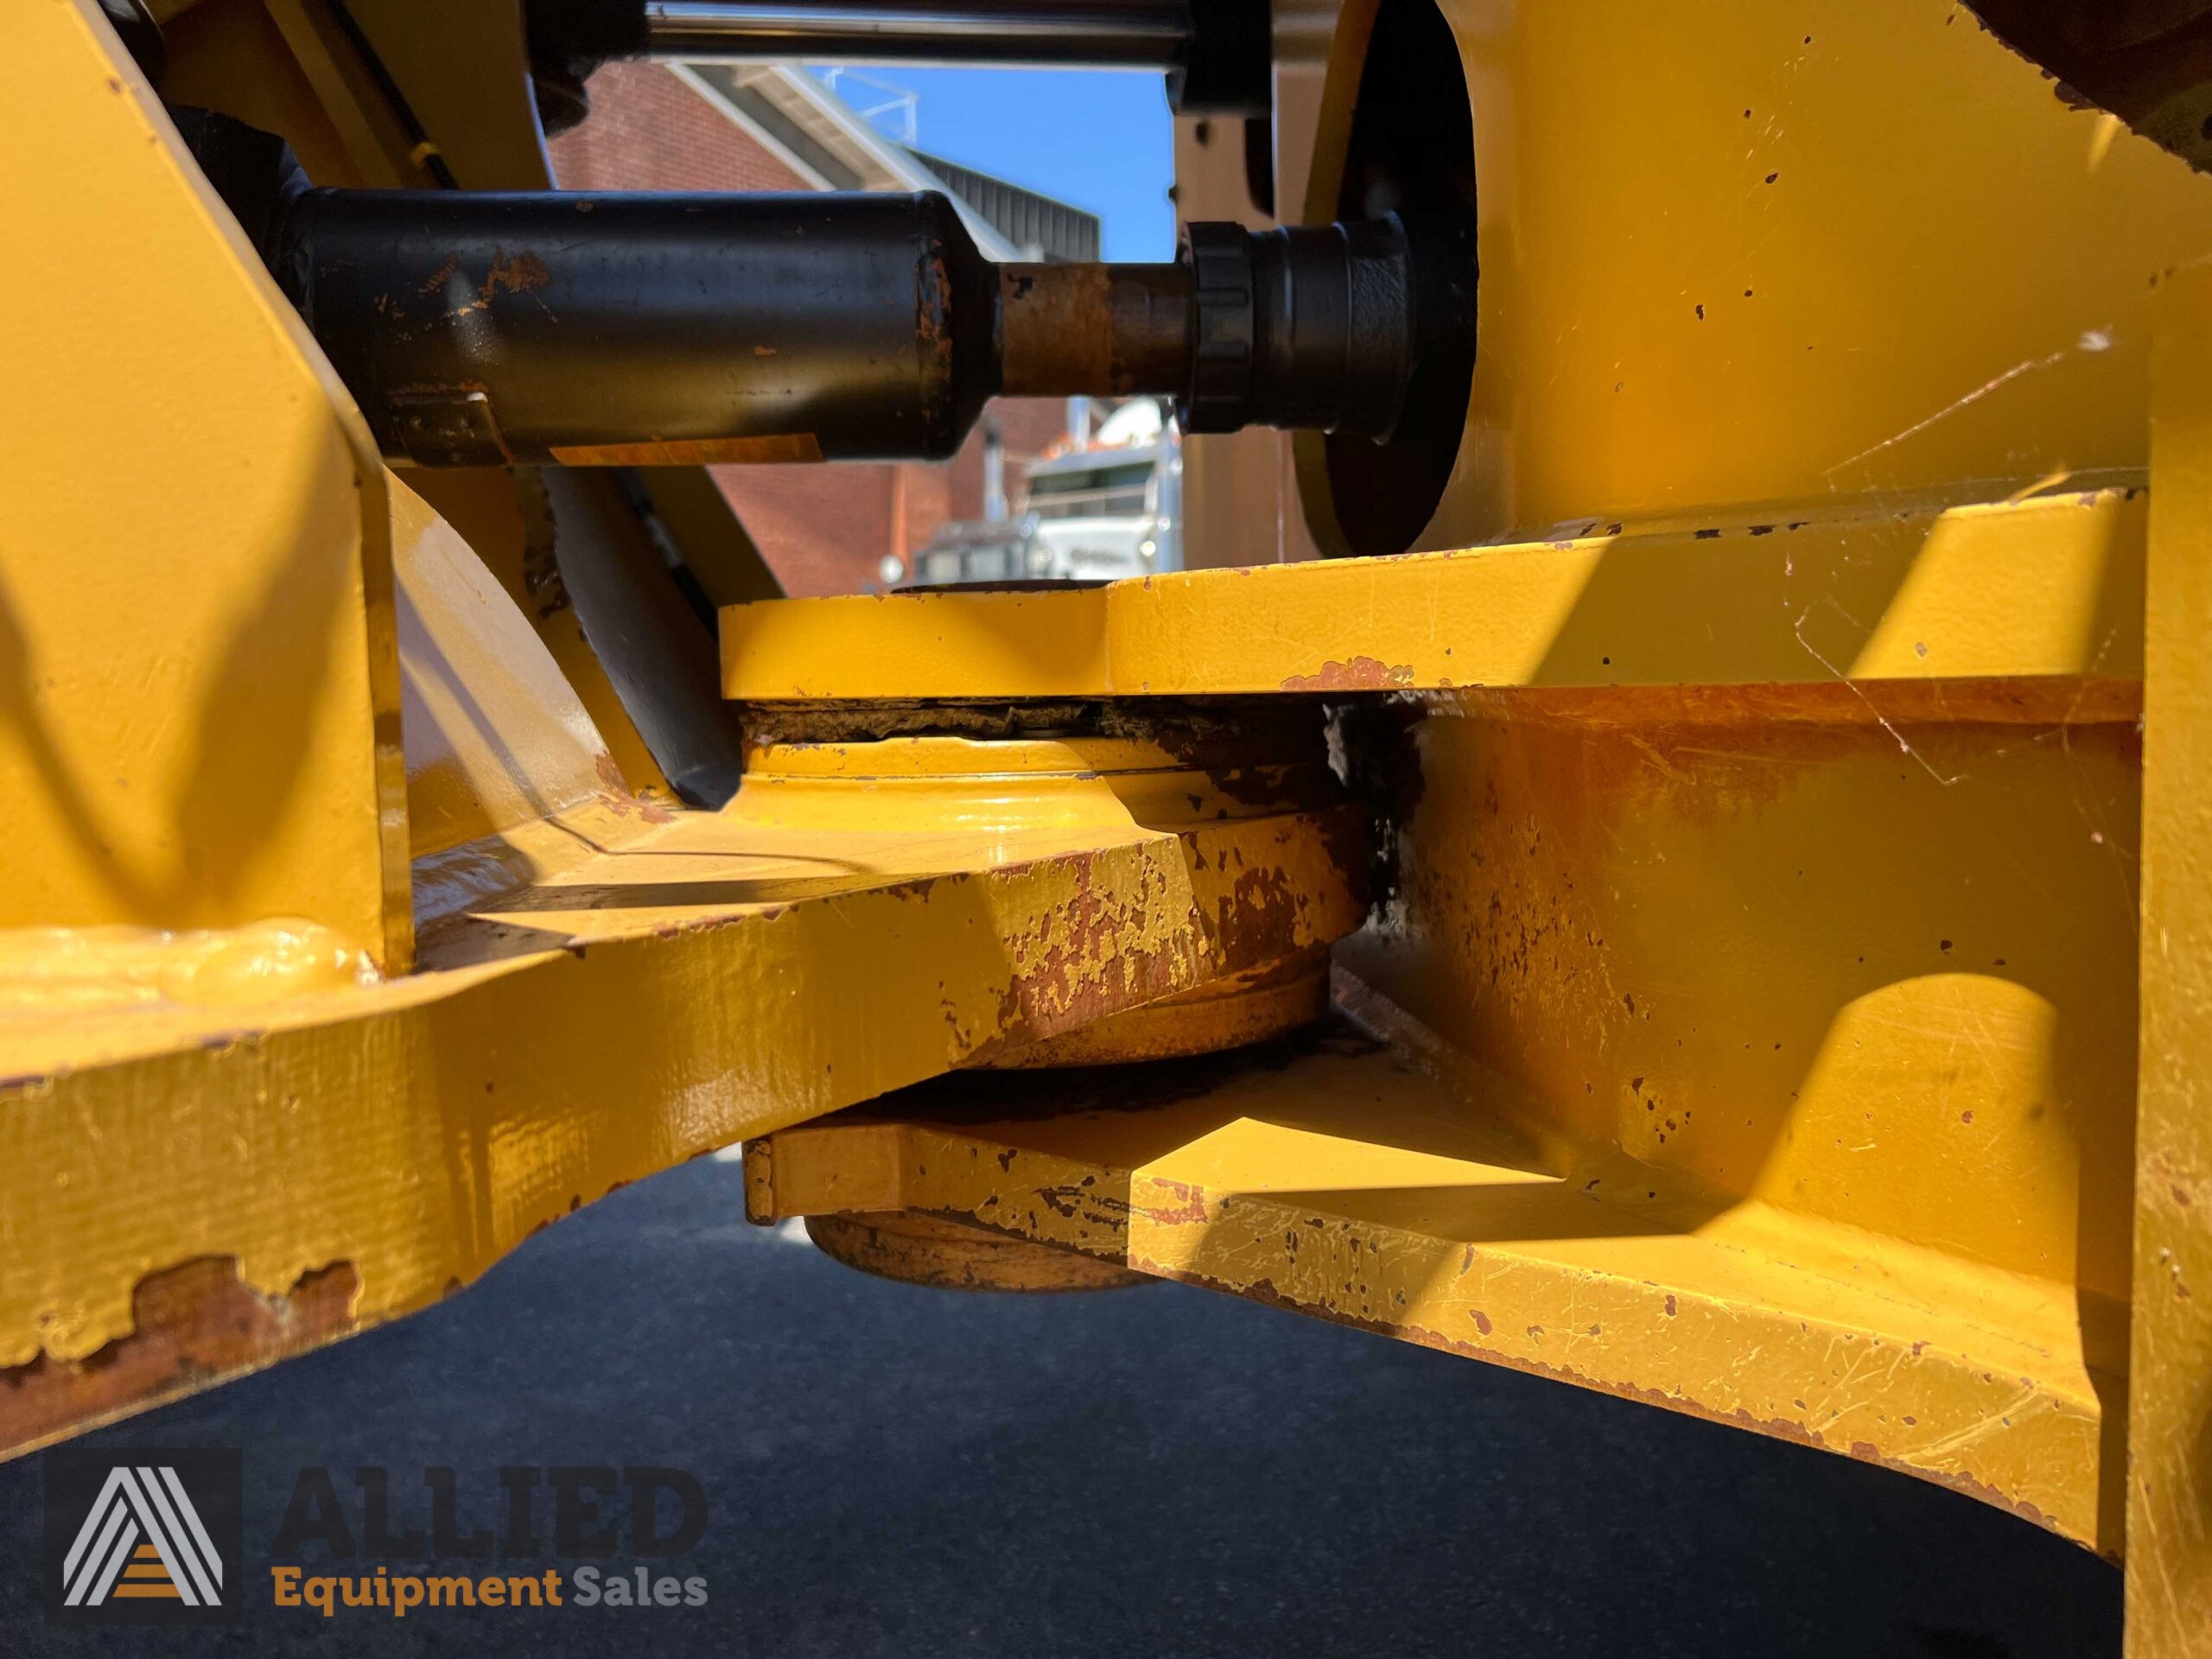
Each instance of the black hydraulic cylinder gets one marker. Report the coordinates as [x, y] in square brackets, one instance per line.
[642, 329]
[634, 329]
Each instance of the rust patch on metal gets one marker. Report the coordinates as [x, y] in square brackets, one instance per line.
[1086, 1204]
[437, 279]
[917, 1248]
[781, 448]
[1107, 330]
[521, 273]
[1099, 953]
[191, 1324]
[1360, 674]
[1079, 966]
[1256, 919]
[541, 561]
[1057, 327]
[1232, 1012]
[616, 793]
[933, 311]
[1189, 1209]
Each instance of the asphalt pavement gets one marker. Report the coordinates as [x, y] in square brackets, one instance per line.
[898, 1471]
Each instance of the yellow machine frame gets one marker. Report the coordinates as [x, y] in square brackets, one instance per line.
[1756, 860]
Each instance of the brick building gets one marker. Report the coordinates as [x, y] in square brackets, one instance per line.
[823, 530]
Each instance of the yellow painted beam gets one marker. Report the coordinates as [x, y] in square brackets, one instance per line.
[2044, 590]
[600, 996]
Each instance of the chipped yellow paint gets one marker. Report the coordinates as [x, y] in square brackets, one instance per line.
[1881, 592]
[415, 1129]
[1778, 880]
[1856, 966]
[1758, 959]
[1334, 1179]
[1824, 962]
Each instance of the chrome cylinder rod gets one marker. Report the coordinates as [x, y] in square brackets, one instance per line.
[1069, 34]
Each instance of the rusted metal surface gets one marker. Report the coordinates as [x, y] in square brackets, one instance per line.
[1244, 1007]
[1103, 330]
[192, 1326]
[918, 1249]
[927, 903]
[1753, 791]
[784, 449]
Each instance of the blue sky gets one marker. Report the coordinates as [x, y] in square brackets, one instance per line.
[1099, 139]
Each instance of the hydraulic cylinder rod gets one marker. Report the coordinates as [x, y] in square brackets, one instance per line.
[1081, 34]
[639, 329]
[1218, 53]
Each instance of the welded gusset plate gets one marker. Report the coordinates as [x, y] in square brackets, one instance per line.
[190, 1188]
[1324, 1174]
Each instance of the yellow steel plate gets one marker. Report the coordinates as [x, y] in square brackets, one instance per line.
[2049, 588]
[1345, 1183]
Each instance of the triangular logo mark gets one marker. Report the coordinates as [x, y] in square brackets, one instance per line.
[142, 1539]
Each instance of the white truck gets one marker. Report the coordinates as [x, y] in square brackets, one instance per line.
[1108, 508]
